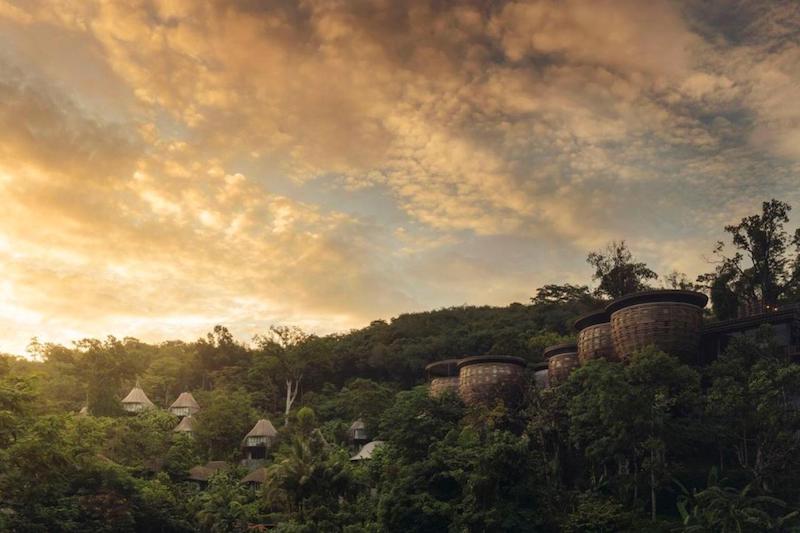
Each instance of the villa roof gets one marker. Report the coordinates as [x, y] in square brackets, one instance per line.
[216, 465]
[186, 425]
[263, 428]
[658, 295]
[199, 473]
[185, 400]
[443, 368]
[259, 475]
[358, 424]
[367, 450]
[203, 472]
[137, 395]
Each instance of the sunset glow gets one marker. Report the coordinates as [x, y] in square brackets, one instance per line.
[170, 165]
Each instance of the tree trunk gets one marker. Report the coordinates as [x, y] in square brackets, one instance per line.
[652, 486]
[292, 387]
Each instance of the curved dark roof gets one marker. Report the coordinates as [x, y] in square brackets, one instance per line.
[590, 319]
[510, 359]
[558, 349]
[443, 368]
[664, 295]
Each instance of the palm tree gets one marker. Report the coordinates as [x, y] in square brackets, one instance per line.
[729, 510]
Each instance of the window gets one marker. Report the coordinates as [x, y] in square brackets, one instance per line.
[256, 441]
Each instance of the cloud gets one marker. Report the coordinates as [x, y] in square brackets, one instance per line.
[168, 163]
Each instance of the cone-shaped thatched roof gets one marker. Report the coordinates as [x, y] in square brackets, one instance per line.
[217, 465]
[137, 395]
[199, 473]
[358, 424]
[263, 428]
[186, 425]
[259, 475]
[366, 451]
[203, 472]
[185, 400]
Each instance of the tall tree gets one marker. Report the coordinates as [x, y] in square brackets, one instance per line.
[557, 294]
[291, 351]
[104, 366]
[679, 280]
[224, 420]
[617, 272]
[219, 354]
[765, 268]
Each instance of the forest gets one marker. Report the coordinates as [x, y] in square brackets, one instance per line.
[655, 444]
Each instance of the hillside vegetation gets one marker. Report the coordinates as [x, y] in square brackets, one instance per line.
[651, 445]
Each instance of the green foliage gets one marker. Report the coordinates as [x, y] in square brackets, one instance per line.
[219, 359]
[141, 441]
[162, 506]
[727, 510]
[562, 294]
[225, 419]
[597, 514]
[543, 339]
[225, 506]
[605, 451]
[628, 419]
[58, 481]
[416, 421]
[617, 273]
[310, 482]
[16, 399]
[765, 267]
[182, 455]
[752, 404]
[104, 367]
[361, 398]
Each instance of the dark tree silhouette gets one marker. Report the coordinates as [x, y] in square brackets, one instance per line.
[618, 273]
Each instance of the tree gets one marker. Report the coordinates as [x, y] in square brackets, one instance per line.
[291, 351]
[171, 371]
[310, 480]
[751, 403]
[761, 271]
[57, 482]
[617, 272]
[142, 441]
[724, 300]
[16, 400]
[223, 422]
[360, 398]
[415, 420]
[181, 456]
[731, 510]
[219, 356]
[557, 294]
[679, 280]
[628, 418]
[224, 505]
[104, 366]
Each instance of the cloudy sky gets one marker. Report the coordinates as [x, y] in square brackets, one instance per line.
[167, 165]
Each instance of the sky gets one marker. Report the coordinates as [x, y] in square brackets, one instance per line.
[169, 165]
